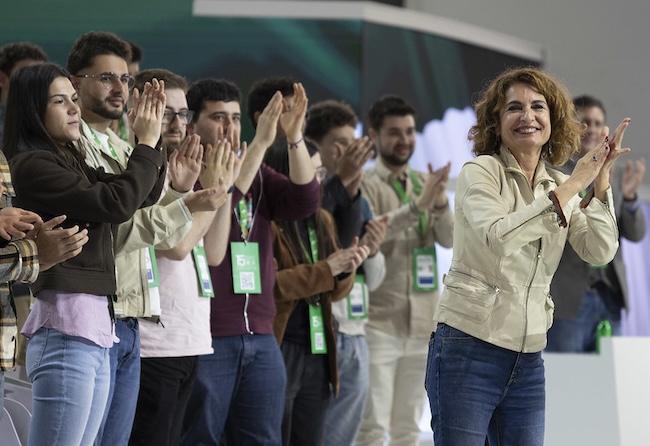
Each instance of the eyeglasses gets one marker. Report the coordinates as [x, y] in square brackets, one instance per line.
[109, 79]
[185, 116]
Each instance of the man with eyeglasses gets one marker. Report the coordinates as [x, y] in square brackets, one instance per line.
[170, 350]
[98, 63]
[587, 294]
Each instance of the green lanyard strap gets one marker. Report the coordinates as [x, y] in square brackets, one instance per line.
[423, 219]
[245, 212]
[110, 146]
[312, 255]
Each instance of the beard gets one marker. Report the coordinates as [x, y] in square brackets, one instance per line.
[100, 108]
[396, 160]
[172, 142]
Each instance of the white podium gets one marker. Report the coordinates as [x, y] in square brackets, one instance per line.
[599, 399]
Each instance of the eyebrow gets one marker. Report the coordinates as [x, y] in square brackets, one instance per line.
[536, 101]
[224, 113]
[61, 95]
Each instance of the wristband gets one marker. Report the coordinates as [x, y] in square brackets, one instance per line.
[558, 209]
[294, 145]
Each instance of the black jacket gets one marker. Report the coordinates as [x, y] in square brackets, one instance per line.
[52, 184]
[345, 210]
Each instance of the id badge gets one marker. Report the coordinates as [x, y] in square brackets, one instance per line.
[425, 269]
[245, 261]
[317, 330]
[202, 271]
[358, 299]
[151, 264]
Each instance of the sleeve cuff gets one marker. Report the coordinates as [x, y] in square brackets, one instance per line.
[28, 266]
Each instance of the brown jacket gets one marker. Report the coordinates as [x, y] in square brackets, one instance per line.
[295, 281]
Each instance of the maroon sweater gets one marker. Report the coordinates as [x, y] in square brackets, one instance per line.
[280, 199]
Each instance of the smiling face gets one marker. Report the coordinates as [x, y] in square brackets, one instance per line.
[395, 139]
[525, 120]
[62, 115]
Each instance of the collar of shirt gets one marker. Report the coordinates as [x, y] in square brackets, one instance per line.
[388, 175]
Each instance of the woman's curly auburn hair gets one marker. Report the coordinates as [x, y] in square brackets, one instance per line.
[566, 130]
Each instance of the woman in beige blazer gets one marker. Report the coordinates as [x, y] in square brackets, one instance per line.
[514, 214]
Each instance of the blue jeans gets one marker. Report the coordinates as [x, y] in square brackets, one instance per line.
[579, 335]
[70, 381]
[239, 392]
[344, 414]
[125, 383]
[478, 390]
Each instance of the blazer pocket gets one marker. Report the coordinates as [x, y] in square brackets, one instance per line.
[472, 297]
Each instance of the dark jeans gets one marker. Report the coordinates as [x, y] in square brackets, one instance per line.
[478, 390]
[308, 396]
[165, 388]
[125, 381]
[579, 335]
[239, 393]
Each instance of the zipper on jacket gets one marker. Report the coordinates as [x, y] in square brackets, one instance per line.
[246, 323]
[530, 284]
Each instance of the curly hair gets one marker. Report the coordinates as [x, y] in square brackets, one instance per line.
[566, 130]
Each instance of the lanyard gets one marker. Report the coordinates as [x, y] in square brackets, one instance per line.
[108, 141]
[313, 244]
[244, 212]
[423, 220]
[245, 216]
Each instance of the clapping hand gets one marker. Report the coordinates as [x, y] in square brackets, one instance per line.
[633, 177]
[267, 122]
[434, 191]
[349, 259]
[375, 234]
[185, 164]
[148, 114]
[56, 245]
[16, 222]
[292, 119]
[349, 165]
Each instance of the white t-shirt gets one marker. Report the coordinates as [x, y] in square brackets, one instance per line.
[185, 315]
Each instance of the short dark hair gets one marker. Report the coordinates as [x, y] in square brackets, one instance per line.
[327, 115]
[263, 90]
[211, 90]
[389, 105]
[586, 101]
[136, 52]
[94, 44]
[26, 106]
[172, 80]
[12, 53]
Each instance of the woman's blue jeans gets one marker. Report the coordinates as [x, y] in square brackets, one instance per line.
[70, 381]
[478, 390]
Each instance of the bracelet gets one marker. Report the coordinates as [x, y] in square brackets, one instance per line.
[294, 145]
[558, 209]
